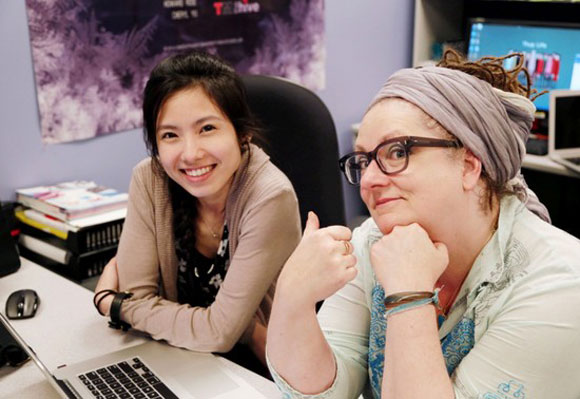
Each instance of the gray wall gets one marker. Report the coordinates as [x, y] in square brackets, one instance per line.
[366, 40]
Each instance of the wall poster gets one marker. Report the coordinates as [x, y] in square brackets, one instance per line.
[92, 58]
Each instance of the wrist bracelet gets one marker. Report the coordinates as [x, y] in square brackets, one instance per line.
[115, 311]
[400, 298]
[98, 303]
[411, 304]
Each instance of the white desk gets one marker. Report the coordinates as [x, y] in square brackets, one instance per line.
[67, 329]
[540, 163]
[543, 163]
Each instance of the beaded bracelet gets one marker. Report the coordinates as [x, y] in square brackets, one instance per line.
[406, 303]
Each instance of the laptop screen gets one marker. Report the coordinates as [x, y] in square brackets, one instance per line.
[552, 55]
[567, 122]
[57, 384]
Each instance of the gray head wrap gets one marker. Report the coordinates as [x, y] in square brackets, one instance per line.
[492, 123]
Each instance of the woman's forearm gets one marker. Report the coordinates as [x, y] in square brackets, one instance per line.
[298, 350]
[321, 265]
[258, 342]
[415, 367]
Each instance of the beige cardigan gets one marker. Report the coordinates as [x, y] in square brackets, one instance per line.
[264, 224]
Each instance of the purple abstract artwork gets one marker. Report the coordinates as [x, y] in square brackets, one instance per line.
[92, 58]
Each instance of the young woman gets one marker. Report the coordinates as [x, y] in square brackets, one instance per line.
[210, 220]
[455, 289]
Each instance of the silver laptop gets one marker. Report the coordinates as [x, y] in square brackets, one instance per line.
[149, 370]
[564, 128]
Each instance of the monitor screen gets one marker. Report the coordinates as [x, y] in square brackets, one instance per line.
[567, 122]
[552, 53]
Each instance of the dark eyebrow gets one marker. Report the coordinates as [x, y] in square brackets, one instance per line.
[166, 127]
[200, 121]
[205, 119]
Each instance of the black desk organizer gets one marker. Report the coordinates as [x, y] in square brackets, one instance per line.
[87, 250]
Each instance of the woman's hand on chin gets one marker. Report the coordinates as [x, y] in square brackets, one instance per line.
[407, 260]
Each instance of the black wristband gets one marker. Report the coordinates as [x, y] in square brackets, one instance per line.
[115, 311]
[97, 303]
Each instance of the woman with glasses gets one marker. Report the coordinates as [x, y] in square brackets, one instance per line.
[457, 287]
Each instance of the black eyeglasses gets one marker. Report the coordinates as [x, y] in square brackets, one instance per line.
[392, 156]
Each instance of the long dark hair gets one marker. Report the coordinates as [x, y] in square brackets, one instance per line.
[224, 87]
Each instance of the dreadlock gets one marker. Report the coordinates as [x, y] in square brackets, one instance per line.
[491, 70]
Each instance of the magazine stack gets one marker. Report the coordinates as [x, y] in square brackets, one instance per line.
[73, 228]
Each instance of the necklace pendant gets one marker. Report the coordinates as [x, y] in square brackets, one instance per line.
[209, 229]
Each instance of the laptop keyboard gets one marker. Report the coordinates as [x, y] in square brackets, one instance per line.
[126, 379]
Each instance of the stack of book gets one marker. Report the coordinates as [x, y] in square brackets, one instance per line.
[72, 228]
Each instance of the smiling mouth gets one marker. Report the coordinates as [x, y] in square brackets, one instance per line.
[198, 172]
[383, 201]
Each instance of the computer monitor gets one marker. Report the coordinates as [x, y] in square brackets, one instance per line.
[552, 52]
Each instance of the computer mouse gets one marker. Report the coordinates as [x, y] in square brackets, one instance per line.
[22, 304]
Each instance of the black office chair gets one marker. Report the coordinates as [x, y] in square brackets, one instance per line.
[301, 140]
